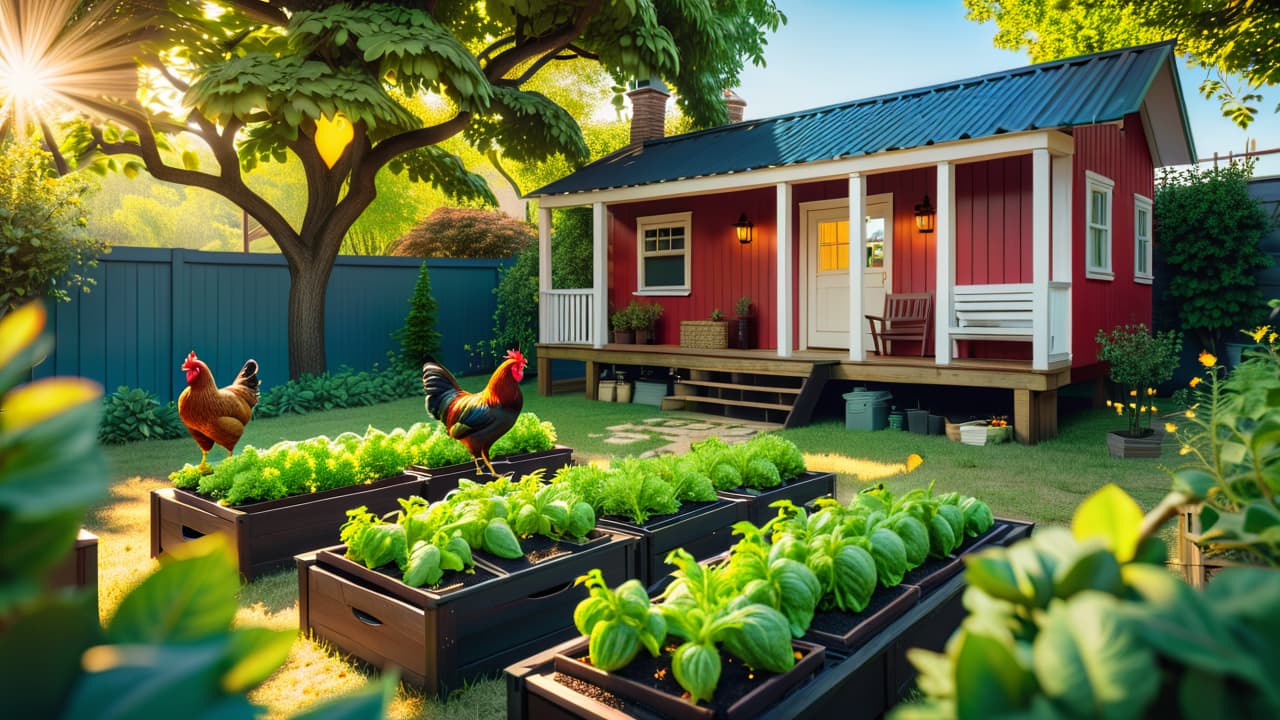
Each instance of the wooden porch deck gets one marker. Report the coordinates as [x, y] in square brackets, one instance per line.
[1035, 398]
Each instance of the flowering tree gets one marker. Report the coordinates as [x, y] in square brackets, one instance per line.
[344, 88]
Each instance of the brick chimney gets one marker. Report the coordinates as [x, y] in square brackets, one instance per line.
[735, 105]
[648, 110]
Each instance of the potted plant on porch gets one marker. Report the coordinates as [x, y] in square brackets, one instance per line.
[746, 323]
[621, 322]
[710, 334]
[1139, 361]
[643, 319]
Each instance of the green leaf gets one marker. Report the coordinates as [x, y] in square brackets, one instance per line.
[697, 669]
[1090, 659]
[150, 680]
[191, 597]
[613, 644]
[370, 701]
[1112, 516]
[989, 679]
[1193, 482]
[40, 653]
[1092, 568]
[760, 637]
[255, 653]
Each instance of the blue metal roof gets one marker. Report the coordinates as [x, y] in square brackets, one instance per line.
[1064, 93]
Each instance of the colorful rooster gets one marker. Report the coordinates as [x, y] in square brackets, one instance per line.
[477, 420]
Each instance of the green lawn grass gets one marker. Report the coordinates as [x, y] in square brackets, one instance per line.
[1041, 483]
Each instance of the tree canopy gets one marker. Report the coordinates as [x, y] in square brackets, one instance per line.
[253, 80]
[1233, 40]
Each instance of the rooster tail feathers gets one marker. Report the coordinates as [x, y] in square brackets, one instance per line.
[441, 389]
[248, 378]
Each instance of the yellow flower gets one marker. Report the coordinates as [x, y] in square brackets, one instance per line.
[1195, 381]
[1258, 333]
[1208, 359]
[1190, 413]
[1184, 450]
[1271, 339]
[1143, 408]
[1108, 403]
[1155, 409]
[914, 461]
[1133, 406]
[1119, 409]
[1170, 427]
[1151, 391]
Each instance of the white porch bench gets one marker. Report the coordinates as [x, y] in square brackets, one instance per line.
[993, 312]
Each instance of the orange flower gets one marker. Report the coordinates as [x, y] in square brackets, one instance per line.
[1208, 359]
[914, 461]
[1195, 381]
[1133, 393]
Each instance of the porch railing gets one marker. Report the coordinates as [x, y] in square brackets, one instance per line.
[567, 316]
[1059, 321]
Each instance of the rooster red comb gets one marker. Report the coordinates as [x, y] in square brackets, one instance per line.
[517, 356]
[191, 360]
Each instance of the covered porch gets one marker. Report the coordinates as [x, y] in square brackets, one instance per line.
[1034, 392]
[1006, 330]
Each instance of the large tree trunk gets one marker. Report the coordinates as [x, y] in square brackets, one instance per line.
[307, 285]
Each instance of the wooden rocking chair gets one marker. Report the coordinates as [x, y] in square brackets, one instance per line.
[907, 316]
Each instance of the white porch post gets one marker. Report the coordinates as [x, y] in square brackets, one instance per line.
[945, 247]
[783, 263]
[1040, 236]
[599, 276]
[544, 273]
[1062, 214]
[857, 262]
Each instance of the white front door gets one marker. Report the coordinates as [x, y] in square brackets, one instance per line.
[826, 243]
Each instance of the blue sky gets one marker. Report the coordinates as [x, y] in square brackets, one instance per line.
[832, 51]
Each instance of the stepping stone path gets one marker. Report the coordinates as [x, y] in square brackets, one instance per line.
[680, 433]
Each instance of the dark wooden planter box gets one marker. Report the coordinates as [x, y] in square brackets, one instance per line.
[80, 569]
[549, 698]
[800, 490]
[440, 639]
[845, 632]
[703, 529]
[440, 481]
[267, 535]
[862, 681]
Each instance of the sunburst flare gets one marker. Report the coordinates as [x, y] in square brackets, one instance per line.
[61, 55]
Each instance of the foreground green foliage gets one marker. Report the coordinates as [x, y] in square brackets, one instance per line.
[1087, 623]
[1233, 438]
[170, 649]
[44, 247]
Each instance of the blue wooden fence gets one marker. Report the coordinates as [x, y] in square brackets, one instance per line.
[152, 306]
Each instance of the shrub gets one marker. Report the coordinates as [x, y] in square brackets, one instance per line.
[515, 322]
[571, 248]
[465, 233]
[1208, 228]
[131, 414]
[341, 390]
[44, 246]
[419, 339]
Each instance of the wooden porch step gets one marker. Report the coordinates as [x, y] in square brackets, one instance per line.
[713, 400]
[739, 386]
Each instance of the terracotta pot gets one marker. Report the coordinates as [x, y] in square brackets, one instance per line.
[644, 337]
[1123, 446]
[624, 337]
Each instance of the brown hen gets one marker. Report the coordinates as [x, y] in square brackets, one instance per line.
[214, 415]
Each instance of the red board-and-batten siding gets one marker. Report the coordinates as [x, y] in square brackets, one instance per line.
[993, 240]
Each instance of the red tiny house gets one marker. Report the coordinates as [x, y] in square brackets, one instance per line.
[1010, 162]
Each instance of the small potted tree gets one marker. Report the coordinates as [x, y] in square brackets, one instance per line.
[746, 323]
[1139, 361]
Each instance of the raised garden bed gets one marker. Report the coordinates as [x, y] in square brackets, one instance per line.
[649, 683]
[470, 625]
[703, 529]
[440, 481]
[800, 490]
[80, 569]
[861, 679]
[267, 535]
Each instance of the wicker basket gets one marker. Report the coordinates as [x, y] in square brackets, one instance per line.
[704, 334]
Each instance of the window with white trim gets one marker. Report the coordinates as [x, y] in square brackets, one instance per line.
[1097, 226]
[1142, 239]
[663, 253]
